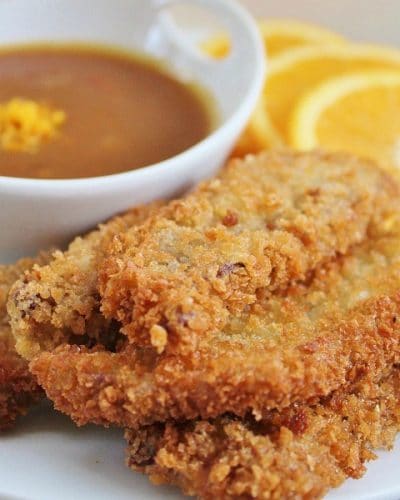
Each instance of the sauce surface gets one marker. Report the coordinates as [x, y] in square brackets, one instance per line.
[121, 112]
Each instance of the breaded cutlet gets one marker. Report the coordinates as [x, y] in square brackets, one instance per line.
[301, 452]
[294, 343]
[261, 224]
[59, 302]
[199, 263]
[292, 347]
[18, 387]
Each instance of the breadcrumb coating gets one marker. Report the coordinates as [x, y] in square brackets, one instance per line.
[59, 302]
[293, 345]
[18, 388]
[301, 452]
[200, 262]
[296, 346]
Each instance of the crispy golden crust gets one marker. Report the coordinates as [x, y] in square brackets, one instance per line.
[59, 302]
[290, 341]
[291, 346]
[200, 262]
[18, 388]
[299, 453]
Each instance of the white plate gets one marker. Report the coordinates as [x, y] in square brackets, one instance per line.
[48, 458]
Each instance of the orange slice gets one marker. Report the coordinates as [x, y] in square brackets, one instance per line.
[359, 113]
[259, 134]
[279, 35]
[294, 73]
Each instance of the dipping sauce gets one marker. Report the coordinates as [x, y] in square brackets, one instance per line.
[115, 112]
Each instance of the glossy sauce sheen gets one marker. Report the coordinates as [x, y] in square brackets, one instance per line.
[122, 112]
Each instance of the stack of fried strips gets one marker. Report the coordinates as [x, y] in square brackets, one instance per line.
[247, 336]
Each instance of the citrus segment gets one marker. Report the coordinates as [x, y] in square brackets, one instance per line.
[294, 73]
[281, 35]
[259, 134]
[358, 113]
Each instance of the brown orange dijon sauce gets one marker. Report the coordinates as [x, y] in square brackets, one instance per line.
[80, 111]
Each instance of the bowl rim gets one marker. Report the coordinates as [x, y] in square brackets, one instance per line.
[210, 141]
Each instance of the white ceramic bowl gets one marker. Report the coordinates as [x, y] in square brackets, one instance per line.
[35, 214]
